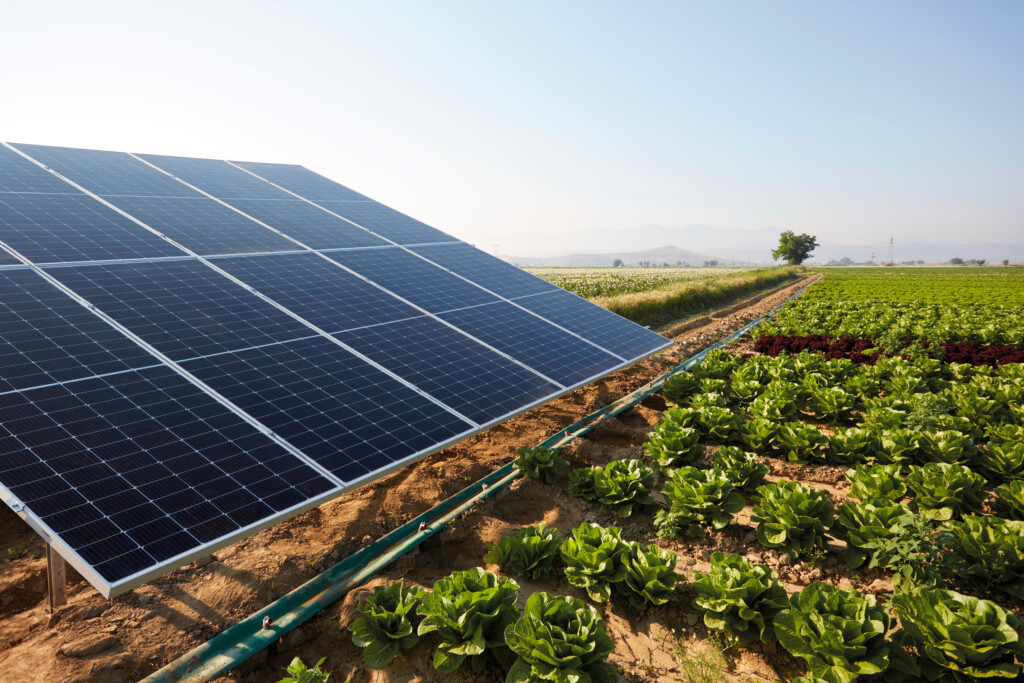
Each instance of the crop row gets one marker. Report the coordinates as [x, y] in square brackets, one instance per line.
[594, 282]
[922, 286]
[869, 351]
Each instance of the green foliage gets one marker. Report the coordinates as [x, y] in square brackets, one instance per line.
[541, 463]
[898, 446]
[945, 491]
[851, 446]
[696, 500]
[718, 424]
[740, 467]
[959, 638]
[469, 612]
[792, 517]
[531, 553]
[1009, 502]
[832, 404]
[758, 434]
[388, 623]
[1002, 462]
[913, 546]
[947, 446]
[650, 577]
[622, 485]
[993, 552]
[794, 249]
[679, 418]
[801, 443]
[868, 482]
[559, 639]
[839, 633]
[740, 598]
[717, 364]
[773, 408]
[593, 559]
[679, 388]
[864, 526]
[300, 673]
[674, 447]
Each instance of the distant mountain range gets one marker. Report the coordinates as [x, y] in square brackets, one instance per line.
[695, 244]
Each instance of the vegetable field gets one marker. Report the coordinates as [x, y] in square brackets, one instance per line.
[594, 282]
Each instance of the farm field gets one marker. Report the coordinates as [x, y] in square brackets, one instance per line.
[595, 282]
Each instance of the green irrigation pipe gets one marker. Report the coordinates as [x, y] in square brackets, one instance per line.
[234, 645]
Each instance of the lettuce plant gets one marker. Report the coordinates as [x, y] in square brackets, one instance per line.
[697, 499]
[711, 385]
[851, 446]
[947, 446]
[831, 404]
[541, 463]
[531, 553]
[469, 612]
[559, 639]
[792, 517]
[719, 424]
[898, 446]
[717, 364]
[388, 623]
[758, 434]
[959, 638]
[869, 482]
[740, 598]
[710, 399]
[1002, 462]
[674, 447]
[622, 485]
[298, 672]
[864, 526]
[678, 418]
[773, 408]
[679, 388]
[993, 552]
[801, 443]
[650, 577]
[839, 633]
[593, 559]
[1009, 502]
[745, 392]
[740, 467]
[945, 491]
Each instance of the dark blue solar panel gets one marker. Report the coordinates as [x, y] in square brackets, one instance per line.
[302, 181]
[53, 228]
[346, 415]
[46, 336]
[600, 326]
[183, 308]
[7, 260]
[203, 225]
[18, 174]
[465, 375]
[134, 469]
[310, 225]
[501, 278]
[108, 173]
[387, 222]
[411, 277]
[319, 291]
[534, 342]
[217, 177]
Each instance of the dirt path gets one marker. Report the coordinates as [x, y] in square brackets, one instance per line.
[125, 639]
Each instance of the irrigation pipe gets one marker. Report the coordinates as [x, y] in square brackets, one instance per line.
[234, 645]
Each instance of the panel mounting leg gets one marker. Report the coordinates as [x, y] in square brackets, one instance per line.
[56, 577]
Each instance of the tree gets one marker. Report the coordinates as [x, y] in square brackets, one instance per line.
[956, 261]
[617, 263]
[1006, 261]
[794, 249]
[981, 262]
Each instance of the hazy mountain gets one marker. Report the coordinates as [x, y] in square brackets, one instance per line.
[693, 244]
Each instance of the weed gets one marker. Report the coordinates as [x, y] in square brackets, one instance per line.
[705, 665]
[16, 552]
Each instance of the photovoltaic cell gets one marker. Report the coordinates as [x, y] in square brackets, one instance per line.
[530, 340]
[217, 177]
[108, 173]
[597, 324]
[310, 225]
[319, 291]
[47, 337]
[203, 225]
[302, 181]
[18, 174]
[54, 228]
[133, 469]
[346, 415]
[465, 375]
[501, 278]
[387, 222]
[414, 279]
[183, 308]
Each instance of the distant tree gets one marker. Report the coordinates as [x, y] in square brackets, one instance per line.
[794, 249]
[845, 261]
[956, 261]
[712, 262]
[920, 262]
[1006, 261]
[617, 263]
[981, 262]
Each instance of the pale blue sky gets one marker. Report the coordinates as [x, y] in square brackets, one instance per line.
[852, 121]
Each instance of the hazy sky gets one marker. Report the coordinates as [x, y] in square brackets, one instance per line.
[852, 120]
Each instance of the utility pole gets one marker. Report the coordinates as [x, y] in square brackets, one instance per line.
[890, 261]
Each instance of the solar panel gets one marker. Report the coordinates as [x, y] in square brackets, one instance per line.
[156, 405]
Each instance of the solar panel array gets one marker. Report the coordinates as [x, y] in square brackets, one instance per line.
[192, 350]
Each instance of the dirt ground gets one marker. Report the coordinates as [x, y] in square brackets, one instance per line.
[129, 637]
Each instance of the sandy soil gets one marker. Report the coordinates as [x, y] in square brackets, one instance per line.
[127, 638]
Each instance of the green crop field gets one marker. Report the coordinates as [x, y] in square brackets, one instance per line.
[594, 282]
